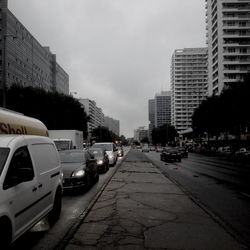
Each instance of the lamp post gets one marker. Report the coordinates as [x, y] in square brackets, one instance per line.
[4, 68]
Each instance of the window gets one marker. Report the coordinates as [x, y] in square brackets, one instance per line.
[20, 160]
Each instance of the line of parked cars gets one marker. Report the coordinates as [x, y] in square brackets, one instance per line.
[173, 154]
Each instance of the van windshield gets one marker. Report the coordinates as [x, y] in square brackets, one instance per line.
[107, 147]
[4, 152]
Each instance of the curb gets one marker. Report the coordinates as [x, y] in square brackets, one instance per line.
[71, 232]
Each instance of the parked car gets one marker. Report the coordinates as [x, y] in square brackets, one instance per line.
[111, 150]
[145, 149]
[120, 151]
[79, 169]
[102, 159]
[152, 148]
[170, 154]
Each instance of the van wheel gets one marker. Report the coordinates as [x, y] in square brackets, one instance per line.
[54, 214]
[5, 233]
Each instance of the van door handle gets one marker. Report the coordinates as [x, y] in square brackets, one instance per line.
[40, 185]
[34, 189]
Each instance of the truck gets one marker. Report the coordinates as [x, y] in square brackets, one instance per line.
[67, 139]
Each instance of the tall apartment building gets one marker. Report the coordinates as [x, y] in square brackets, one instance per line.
[112, 124]
[188, 85]
[228, 39]
[95, 114]
[162, 108]
[23, 60]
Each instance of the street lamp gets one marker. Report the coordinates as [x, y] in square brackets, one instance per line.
[4, 68]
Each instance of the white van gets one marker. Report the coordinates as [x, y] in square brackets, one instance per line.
[110, 149]
[30, 183]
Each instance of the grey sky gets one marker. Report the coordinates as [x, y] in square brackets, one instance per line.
[116, 52]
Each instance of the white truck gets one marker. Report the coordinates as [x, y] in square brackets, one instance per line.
[67, 139]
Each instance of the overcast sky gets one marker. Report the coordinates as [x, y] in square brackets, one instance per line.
[116, 52]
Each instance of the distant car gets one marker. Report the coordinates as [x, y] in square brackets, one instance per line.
[102, 159]
[111, 150]
[79, 169]
[183, 151]
[152, 148]
[145, 149]
[158, 149]
[120, 151]
[170, 154]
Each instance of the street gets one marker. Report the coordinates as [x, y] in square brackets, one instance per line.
[219, 186]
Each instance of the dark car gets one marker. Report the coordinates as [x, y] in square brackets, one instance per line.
[102, 159]
[170, 154]
[79, 169]
[183, 151]
[120, 151]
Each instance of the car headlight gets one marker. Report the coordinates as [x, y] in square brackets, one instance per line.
[99, 162]
[119, 151]
[78, 173]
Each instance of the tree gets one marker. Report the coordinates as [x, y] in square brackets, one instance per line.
[103, 134]
[227, 113]
[164, 134]
[55, 110]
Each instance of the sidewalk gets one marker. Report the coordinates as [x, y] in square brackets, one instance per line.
[142, 209]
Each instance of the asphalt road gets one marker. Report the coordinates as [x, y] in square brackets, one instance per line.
[42, 237]
[219, 186]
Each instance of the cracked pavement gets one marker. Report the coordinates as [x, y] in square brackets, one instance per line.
[142, 209]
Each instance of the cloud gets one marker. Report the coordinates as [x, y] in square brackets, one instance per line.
[116, 52]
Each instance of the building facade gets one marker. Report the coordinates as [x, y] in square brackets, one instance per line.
[112, 124]
[188, 85]
[140, 133]
[162, 110]
[23, 60]
[228, 40]
[95, 114]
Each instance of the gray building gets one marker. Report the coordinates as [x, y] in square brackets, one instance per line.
[112, 124]
[162, 108]
[23, 60]
[188, 85]
[95, 114]
[228, 40]
[140, 133]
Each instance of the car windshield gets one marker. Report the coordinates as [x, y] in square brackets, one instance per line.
[4, 152]
[96, 152]
[62, 145]
[72, 156]
[105, 146]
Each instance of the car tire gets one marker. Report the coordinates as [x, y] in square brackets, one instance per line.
[5, 233]
[55, 213]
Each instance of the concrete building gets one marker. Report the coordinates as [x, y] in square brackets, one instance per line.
[151, 117]
[188, 85]
[23, 60]
[140, 133]
[228, 39]
[95, 114]
[162, 108]
[112, 124]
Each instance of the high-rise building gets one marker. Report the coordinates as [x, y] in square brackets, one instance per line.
[188, 85]
[95, 114]
[228, 39]
[23, 60]
[140, 133]
[162, 108]
[112, 124]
